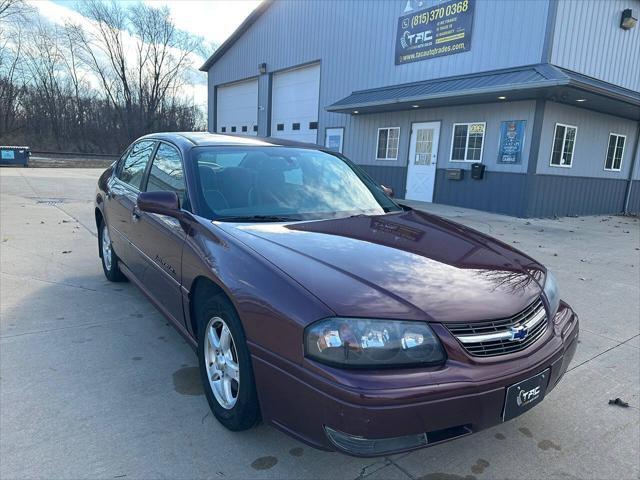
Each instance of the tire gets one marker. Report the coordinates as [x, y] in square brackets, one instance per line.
[108, 256]
[238, 409]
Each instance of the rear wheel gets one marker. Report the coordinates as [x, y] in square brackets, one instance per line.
[225, 364]
[108, 256]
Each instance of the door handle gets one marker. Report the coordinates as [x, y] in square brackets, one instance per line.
[135, 213]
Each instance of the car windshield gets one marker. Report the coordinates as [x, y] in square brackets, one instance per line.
[283, 183]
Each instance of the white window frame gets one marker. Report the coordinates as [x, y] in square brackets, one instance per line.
[466, 145]
[618, 135]
[387, 149]
[564, 138]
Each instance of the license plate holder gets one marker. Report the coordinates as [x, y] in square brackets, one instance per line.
[525, 395]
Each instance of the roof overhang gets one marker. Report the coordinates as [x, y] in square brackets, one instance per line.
[523, 83]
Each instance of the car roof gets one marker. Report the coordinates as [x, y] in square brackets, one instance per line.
[187, 140]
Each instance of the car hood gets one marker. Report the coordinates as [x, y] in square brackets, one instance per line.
[403, 265]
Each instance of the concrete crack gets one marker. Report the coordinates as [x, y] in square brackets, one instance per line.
[598, 355]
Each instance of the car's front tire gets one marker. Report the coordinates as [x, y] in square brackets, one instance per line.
[225, 364]
[108, 255]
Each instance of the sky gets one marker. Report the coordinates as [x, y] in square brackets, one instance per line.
[214, 20]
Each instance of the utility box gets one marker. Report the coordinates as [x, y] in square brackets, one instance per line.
[477, 171]
[455, 173]
[13, 156]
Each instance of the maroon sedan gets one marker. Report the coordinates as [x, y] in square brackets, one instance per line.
[320, 305]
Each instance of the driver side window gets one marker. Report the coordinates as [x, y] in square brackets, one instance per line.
[166, 172]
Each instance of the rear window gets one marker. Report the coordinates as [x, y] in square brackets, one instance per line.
[135, 163]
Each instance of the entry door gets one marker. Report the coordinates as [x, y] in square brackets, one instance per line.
[423, 156]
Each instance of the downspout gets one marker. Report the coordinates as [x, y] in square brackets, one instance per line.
[634, 161]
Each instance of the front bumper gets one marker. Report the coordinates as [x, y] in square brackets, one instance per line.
[333, 411]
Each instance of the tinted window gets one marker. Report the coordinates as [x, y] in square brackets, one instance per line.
[135, 164]
[166, 172]
[293, 183]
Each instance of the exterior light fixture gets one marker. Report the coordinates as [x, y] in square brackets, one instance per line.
[502, 98]
[356, 111]
[581, 100]
[262, 68]
[415, 106]
[628, 21]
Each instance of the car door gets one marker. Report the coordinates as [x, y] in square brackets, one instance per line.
[159, 239]
[124, 188]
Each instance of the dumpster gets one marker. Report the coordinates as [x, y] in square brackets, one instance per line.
[11, 155]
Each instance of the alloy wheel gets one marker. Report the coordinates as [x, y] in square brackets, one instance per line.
[106, 247]
[221, 357]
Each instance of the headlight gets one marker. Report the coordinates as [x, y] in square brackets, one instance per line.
[552, 293]
[363, 342]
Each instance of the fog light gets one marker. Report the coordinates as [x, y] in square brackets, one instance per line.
[370, 447]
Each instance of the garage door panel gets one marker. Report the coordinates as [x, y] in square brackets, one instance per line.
[295, 100]
[237, 108]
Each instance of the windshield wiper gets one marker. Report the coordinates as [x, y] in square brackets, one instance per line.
[258, 218]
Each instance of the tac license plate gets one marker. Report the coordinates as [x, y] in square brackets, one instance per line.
[525, 395]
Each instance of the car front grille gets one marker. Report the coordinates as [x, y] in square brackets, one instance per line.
[503, 336]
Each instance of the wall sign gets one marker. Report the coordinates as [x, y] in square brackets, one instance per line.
[443, 29]
[511, 141]
[333, 138]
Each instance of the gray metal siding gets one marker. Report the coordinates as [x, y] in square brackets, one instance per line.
[591, 141]
[554, 195]
[264, 91]
[538, 195]
[355, 41]
[357, 37]
[588, 39]
[361, 133]
[634, 199]
[498, 192]
[394, 177]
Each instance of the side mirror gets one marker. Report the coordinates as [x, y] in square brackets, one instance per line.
[387, 190]
[164, 203]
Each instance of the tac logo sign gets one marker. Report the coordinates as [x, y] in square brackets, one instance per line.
[409, 39]
[442, 29]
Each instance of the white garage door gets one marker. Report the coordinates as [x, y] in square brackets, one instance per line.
[237, 108]
[294, 104]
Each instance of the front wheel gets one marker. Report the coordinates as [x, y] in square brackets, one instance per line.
[225, 364]
[108, 256]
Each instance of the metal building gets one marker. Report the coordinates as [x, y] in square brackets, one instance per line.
[524, 107]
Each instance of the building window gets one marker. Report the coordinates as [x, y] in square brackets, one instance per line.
[223, 129]
[467, 142]
[615, 150]
[255, 128]
[564, 140]
[280, 127]
[313, 125]
[244, 128]
[295, 126]
[233, 129]
[388, 140]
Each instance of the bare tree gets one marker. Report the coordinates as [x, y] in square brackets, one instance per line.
[136, 85]
[13, 8]
[163, 57]
[11, 48]
[96, 86]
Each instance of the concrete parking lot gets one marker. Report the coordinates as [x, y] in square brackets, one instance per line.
[94, 383]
